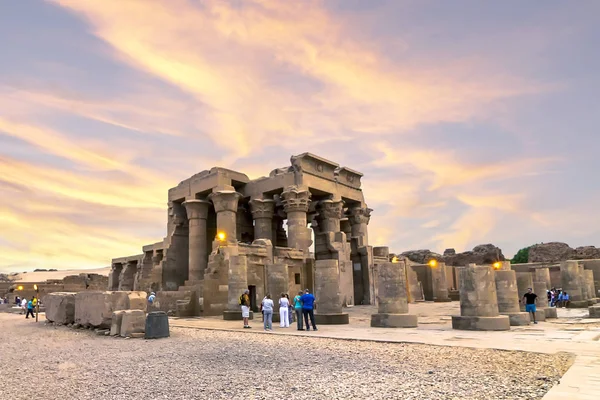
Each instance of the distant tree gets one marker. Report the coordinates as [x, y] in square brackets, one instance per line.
[521, 257]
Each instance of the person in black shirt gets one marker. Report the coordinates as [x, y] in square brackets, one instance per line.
[530, 299]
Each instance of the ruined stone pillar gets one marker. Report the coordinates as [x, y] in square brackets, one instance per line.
[359, 219]
[128, 276]
[439, 283]
[392, 311]
[571, 281]
[478, 301]
[226, 205]
[277, 283]
[524, 282]
[197, 212]
[156, 274]
[591, 287]
[327, 293]
[542, 275]
[237, 275]
[296, 202]
[539, 288]
[262, 213]
[582, 283]
[508, 298]
[114, 276]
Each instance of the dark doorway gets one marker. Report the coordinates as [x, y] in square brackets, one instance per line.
[253, 305]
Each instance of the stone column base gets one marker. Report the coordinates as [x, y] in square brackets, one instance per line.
[443, 300]
[540, 315]
[331, 319]
[594, 311]
[578, 304]
[235, 315]
[550, 312]
[593, 301]
[393, 321]
[518, 318]
[499, 323]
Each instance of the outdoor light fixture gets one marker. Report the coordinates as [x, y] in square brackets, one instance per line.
[433, 263]
[394, 259]
[221, 236]
[19, 287]
[497, 265]
[37, 304]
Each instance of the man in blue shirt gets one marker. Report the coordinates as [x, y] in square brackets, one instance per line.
[308, 304]
[29, 309]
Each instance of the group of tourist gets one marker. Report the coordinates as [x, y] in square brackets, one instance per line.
[27, 306]
[4, 300]
[557, 298]
[303, 306]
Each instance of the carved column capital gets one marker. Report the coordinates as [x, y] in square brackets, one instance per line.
[225, 200]
[197, 209]
[330, 209]
[262, 208]
[359, 215]
[295, 199]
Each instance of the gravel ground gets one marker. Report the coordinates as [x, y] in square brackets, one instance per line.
[48, 362]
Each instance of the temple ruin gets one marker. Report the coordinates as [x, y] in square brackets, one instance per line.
[226, 231]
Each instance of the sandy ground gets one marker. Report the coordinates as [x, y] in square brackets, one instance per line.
[48, 362]
[45, 275]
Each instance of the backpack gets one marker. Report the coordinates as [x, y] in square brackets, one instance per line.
[241, 300]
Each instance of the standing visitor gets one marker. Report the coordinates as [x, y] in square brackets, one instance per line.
[29, 309]
[565, 299]
[267, 308]
[290, 309]
[530, 300]
[245, 303]
[308, 303]
[284, 319]
[298, 310]
[17, 301]
[560, 299]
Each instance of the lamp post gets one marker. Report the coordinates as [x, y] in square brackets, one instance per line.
[37, 304]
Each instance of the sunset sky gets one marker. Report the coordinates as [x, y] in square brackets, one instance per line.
[473, 121]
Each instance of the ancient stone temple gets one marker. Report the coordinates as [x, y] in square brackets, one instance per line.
[226, 232]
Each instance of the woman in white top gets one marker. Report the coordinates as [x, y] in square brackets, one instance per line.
[267, 306]
[284, 309]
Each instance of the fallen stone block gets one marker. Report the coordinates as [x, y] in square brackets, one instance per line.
[94, 309]
[117, 319]
[134, 321]
[157, 325]
[60, 307]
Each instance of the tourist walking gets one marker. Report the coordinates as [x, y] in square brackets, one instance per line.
[308, 304]
[245, 303]
[29, 309]
[267, 308]
[23, 305]
[284, 309]
[530, 300]
[298, 311]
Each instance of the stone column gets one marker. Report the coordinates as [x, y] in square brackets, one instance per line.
[262, 213]
[582, 283]
[237, 282]
[439, 283]
[296, 202]
[591, 287]
[392, 311]
[542, 275]
[156, 274]
[277, 283]
[114, 276]
[226, 205]
[508, 298]
[524, 282]
[478, 301]
[327, 293]
[359, 219]
[197, 212]
[128, 276]
[571, 281]
[539, 288]
[330, 214]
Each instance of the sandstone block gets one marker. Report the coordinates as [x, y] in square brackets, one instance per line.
[499, 323]
[115, 327]
[133, 321]
[394, 320]
[96, 308]
[60, 307]
[550, 312]
[594, 311]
